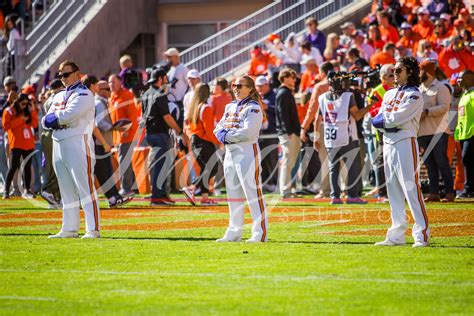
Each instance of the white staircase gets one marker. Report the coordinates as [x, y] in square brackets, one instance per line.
[227, 50]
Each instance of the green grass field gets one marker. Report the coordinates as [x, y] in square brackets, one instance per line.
[320, 260]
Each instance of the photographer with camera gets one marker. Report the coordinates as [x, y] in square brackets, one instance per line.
[339, 112]
[18, 121]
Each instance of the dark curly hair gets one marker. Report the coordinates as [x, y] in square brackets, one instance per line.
[413, 70]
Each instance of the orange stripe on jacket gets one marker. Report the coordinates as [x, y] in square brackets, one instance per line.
[418, 189]
[259, 193]
[91, 185]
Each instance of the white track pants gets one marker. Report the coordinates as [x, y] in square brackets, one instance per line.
[401, 163]
[73, 161]
[242, 178]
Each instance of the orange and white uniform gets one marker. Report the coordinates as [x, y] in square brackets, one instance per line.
[401, 108]
[243, 120]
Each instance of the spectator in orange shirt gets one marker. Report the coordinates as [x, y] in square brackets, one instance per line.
[122, 107]
[220, 98]
[307, 79]
[438, 36]
[386, 56]
[409, 38]
[203, 143]
[375, 38]
[388, 31]
[455, 58]
[424, 27]
[18, 121]
[458, 27]
[260, 60]
[446, 18]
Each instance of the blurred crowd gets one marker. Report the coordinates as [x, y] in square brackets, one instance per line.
[290, 74]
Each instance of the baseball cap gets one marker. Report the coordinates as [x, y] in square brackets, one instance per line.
[8, 80]
[171, 52]
[306, 59]
[272, 37]
[155, 74]
[261, 80]
[193, 73]
[406, 25]
[423, 11]
[347, 24]
[359, 33]
[445, 16]
[463, 11]
[428, 66]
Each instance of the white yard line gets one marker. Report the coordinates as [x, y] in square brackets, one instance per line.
[294, 278]
[26, 298]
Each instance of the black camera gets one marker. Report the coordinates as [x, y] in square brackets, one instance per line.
[361, 80]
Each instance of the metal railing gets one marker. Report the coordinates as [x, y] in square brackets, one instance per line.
[229, 48]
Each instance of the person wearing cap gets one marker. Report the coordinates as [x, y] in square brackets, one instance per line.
[122, 106]
[446, 18]
[359, 42]
[424, 27]
[259, 62]
[177, 79]
[313, 107]
[268, 140]
[348, 28]
[387, 30]
[433, 132]
[50, 188]
[158, 121]
[465, 131]
[375, 98]
[386, 56]
[455, 58]
[409, 38]
[194, 77]
[309, 75]
[313, 35]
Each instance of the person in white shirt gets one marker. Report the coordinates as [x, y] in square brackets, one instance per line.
[12, 35]
[398, 120]
[194, 77]
[72, 119]
[177, 79]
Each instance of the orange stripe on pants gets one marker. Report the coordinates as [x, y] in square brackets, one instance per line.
[418, 189]
[91, 183]
[259, 192]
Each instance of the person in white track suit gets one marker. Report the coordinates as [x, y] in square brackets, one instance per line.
[71, 117]
[239, 130]
[398, 119]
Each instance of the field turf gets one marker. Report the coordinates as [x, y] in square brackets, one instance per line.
[320, 259]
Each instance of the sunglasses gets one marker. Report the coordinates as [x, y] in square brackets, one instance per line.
[66, 74]
[238, 86]
[398, 70]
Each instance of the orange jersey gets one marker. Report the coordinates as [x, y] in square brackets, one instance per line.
[425, 30]
[389, 34]
[218, 103]
[381, 58]
[410, 42]
[204, 128]
[122, 106]
[20, 133]
[259, 65]
[307, 81]
[454, 62]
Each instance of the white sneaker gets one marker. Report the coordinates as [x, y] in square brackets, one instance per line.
[54, 206]
[418, 244]
[91, 234]
[65, 234]
[48, 197]
[253, 240]
[228, 239]
[27, 195]
[388, 242]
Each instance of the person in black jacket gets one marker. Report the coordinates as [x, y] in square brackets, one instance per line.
[288, 128]
[158, 121]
